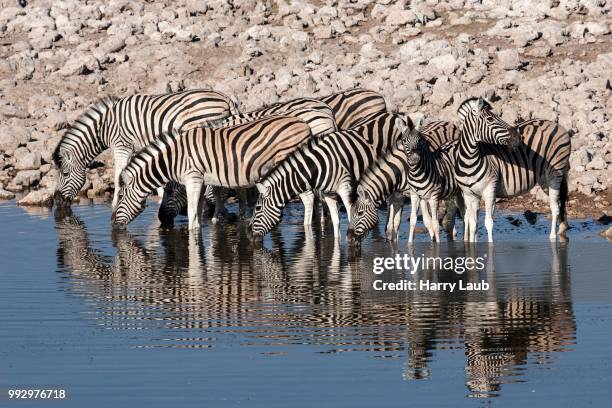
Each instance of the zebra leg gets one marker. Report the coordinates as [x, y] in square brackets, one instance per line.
[394, 215]
[435, 224]
[333, 212]
[121, 158]
[449, 219]
[427, 218]
[390, 216]
[220, 210]
[308, 198]
[489, 198]
[193, 184]
[470, 220]
[160, 194]
[414, 208]
[563, 191]
[345, 195]
[553, 197]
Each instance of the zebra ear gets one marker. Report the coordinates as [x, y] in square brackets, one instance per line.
[261, 188]
[483, 104]
[264, 190]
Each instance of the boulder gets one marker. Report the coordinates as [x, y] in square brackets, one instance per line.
[6, 195]
[28, 161]
[446, 64]
[508, 59]
[43, 197]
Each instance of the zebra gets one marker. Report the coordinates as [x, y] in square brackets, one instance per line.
[431, 175]
[315, 113]
[495, 159]
[328, 165]
[236, 156]
[352, 106]
[127, 125]
[388, 178]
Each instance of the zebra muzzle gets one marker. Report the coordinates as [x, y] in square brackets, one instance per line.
[352, 237]
[60, 201]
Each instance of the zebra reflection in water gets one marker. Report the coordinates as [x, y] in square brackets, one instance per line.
[310, 291]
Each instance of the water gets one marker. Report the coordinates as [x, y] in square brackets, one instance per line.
[164, 317]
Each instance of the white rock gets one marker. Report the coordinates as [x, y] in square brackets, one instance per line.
[446, 64]
[6, 195]
[508, 59]
[26, 178]
[42, 197]
[29, 161]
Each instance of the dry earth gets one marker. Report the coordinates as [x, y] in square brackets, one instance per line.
[550, 59]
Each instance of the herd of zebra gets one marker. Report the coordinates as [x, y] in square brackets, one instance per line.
[346, 145]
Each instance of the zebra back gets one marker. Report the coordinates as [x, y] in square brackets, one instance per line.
[141, 118]
[239, 156]
[315, 113]
[351, 106]
[438, 133]
[382, 129]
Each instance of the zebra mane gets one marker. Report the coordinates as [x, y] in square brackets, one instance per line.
[152, 150]
[471, 103]
[97, 110]
[216, 123]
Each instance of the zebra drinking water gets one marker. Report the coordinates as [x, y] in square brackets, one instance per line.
[127, 125]
[328, 165]
[495, 159]
[235, 156]
[388, 178]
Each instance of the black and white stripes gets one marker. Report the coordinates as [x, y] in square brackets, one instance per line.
[235, 156]
[328, 165]
[495, 159]
[127, 125]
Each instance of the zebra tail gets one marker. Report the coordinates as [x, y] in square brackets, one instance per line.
[563, 196]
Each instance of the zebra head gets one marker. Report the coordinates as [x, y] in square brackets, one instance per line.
[71, 175]
[79, 145]
[364, 216]
[268, 212]
[413, 143]
[480, 123]
[131, 202]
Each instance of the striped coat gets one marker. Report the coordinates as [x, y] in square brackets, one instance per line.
[235, 156]
[495, 159]
[328, 165]
[389, 179]
[127, 125]
[354, 105]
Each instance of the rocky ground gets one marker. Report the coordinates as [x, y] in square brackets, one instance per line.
[549, 59]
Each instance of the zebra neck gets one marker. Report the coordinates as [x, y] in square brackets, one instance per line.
[289, 181]
[421, 169]
[468, 145]
[378, 186]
